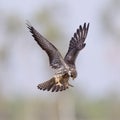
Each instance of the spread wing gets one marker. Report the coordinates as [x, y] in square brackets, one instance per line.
[76, 44]
[55, 58]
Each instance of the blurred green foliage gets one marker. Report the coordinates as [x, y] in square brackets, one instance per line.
[44, 109]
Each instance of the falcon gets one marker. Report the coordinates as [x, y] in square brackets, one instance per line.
[65, 67]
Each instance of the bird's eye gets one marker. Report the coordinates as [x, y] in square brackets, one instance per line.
[71, 75]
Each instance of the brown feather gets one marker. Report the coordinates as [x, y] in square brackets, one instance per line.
[47, 85]
[54, 86]
[55, 58]
[76, 44]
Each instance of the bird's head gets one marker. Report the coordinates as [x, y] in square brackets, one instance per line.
[73, 74]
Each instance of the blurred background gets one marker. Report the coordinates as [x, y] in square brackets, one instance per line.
[23, 64]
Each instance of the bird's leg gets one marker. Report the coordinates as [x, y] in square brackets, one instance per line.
[57, 80]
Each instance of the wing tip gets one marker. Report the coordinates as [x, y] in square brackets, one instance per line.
[85, 26]
[28, 24]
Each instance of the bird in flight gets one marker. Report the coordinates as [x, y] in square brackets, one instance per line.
[65, 67]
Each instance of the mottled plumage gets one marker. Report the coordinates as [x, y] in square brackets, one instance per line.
[65, 66]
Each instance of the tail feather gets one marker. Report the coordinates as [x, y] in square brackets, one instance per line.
[53, 86]
[46, 85]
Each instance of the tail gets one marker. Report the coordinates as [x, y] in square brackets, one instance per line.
[53, 85]
[46, 85]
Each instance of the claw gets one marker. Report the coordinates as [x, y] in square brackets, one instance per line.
[70, 85]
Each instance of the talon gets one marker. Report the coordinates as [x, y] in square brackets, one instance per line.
[70, 85]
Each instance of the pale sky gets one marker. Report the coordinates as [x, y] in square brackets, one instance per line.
[95, 76]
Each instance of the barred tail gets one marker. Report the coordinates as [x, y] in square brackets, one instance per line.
[47, 85]
[54, 86]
